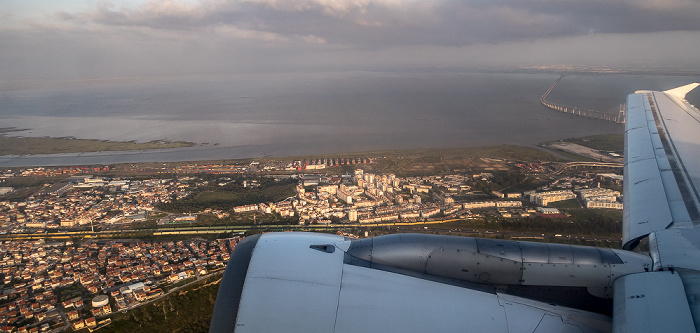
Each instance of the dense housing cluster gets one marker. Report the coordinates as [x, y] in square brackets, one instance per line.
[58, 284]
[376, 198]
[87, 200]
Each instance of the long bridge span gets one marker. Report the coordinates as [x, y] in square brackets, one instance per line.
[619, 118]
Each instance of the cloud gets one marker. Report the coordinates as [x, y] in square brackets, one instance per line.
[389, 23]
[184, 36]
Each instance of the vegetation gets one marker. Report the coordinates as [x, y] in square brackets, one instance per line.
[229, 196]
[10, 145]
[69, 292]
[438, 161]
[603, 223]
[508, 182]
[186, 310]
[607, 142]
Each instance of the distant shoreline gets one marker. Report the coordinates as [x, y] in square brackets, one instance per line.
[29, 146]
[278, 117]
[524, 152]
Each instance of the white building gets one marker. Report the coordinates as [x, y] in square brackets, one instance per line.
[264, 208]
[428, 212]
[601, 198]
[601, 204]
[344, 194]
[544, 198]
[330, 189]
[100, 301]
[136, 286]
[352, 215]
[510, 204]
[545, 210]
[478, 204]
[246, 208]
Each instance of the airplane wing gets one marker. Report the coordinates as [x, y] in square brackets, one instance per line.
[662, 178]
[307, 282]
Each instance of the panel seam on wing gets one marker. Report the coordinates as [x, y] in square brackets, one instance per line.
[337, 304]
[290, 280]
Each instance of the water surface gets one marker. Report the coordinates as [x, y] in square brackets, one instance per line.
[233, 116]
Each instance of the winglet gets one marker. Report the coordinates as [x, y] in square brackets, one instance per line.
[680, 92]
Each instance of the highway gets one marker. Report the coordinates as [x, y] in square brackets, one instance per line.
[126, 233]
[423, 226]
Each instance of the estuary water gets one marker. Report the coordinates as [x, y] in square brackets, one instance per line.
[238, 116]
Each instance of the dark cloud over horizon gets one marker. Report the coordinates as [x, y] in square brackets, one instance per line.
[137, 36]
[394, 23]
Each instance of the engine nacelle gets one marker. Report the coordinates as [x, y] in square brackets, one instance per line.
[499, 262]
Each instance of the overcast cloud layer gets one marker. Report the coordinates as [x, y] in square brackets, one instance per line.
[101, 38]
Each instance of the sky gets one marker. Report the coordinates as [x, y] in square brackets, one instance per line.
[47, 39]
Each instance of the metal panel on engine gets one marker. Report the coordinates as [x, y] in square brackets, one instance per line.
[474, 267]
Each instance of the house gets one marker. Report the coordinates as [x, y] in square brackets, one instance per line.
[78, 325]
[73, 315]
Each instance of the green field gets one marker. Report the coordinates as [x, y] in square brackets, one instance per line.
[609, 142]
[231, 196]
[217, 196]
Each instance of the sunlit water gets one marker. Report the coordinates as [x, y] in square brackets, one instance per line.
[231, 116]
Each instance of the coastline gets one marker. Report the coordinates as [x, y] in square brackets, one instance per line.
[325, 115]
[517, 151]
[29, 146]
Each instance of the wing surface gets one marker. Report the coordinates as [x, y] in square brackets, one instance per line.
[662, 164]
[661, 200]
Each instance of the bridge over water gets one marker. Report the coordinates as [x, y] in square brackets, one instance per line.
[619, 118]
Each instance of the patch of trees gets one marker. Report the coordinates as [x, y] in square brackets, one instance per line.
[582, 222]
[600, 226]
[235, 195]
[185, 311]
[501, 180]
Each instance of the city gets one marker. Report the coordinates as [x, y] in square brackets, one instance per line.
[62, 285]
[54, 279]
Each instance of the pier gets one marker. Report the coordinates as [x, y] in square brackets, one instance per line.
[618, 119]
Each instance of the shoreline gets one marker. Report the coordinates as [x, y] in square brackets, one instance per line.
[26, 146]
[522, 151]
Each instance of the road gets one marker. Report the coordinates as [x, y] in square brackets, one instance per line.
[404, 226]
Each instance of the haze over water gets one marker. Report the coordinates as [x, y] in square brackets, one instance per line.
[236, 116]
